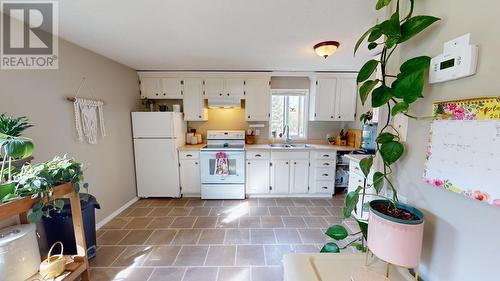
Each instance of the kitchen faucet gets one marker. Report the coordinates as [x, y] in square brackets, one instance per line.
[286, 133]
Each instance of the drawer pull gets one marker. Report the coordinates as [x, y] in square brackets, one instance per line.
[258, 155]
[326, 155]
[326, 164]
[324, 187]
[325, 175]
[189, 155]
[196, 163]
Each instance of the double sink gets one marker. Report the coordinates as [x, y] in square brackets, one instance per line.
[290, 145]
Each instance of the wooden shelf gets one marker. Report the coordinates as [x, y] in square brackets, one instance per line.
[78, 266]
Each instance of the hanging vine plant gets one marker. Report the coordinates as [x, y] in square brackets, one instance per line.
[395, 91]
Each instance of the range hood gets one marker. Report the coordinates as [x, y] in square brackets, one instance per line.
[224, 103]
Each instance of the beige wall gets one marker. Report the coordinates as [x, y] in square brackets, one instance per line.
[41, 96]
[460, 235]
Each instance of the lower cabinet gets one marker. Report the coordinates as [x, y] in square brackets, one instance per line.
[299, 175]
[257, 176]
[280, 176]
[189, 172]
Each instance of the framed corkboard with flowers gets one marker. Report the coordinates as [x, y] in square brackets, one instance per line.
[463, 152]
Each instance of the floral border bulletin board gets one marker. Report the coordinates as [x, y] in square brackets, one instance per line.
[463, 153]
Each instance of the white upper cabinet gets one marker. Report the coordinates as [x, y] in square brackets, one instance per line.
[194, 105]
[172, 88]
[324, 104]
[333, 98]
[235, 87]
[150, 88]
[257, 100]
[345, 103]
[214, 88]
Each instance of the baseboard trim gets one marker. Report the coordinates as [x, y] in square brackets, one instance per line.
[115, 213]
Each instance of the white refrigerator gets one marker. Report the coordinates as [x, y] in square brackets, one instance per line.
[157, 135]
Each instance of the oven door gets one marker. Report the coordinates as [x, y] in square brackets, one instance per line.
[210, 172]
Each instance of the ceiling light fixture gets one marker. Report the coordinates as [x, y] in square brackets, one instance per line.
[327, 48]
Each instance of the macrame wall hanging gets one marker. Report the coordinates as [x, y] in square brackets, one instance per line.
[89, 118]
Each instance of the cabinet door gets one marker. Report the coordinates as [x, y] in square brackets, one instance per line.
[299, 176]
[325, 99]
[150, 88]
[257, 181]
[235, 87]
[172, 88]
[280, 176]
[258, 100]
[345, 103]
[194, 105]
[214, 88]
[190, 177]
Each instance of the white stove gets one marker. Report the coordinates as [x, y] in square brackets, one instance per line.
[222, 165]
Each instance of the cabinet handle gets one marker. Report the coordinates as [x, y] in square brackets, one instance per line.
[258, 155]
[203, 92]
[164, 94]
[220, 94]
[324, 187]
[199, 116]
[182, 92]
[248, 163]
[331, 117]
[227, 94]
[326, 164]
[270, 188]
[339, 116]
[196, 163]
[156, 93]
[294, 163]
[286, 163]
[189, 155]
[326, 155]
[325, 175]
[248, 116]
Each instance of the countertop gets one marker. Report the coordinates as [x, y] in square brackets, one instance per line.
[311, 147]
[356, 157]
[191, 147]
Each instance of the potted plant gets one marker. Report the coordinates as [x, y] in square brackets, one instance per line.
[395, 229]
[15, 150]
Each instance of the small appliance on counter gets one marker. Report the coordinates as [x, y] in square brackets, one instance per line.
[369, 143]
[19, 253]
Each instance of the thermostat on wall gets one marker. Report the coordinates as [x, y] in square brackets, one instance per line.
[458, 60]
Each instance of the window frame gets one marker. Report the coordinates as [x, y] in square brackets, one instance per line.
[292, 92]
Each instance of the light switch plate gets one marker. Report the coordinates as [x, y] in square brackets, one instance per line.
[401, 124]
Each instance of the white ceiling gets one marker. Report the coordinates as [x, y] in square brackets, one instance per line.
[219, 34]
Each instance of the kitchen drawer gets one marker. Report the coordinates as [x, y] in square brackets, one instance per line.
[354, 168]
[324, 154]
[324, 163]
[324, 187]
[189, 155]
[292, 155]
[258, 154]
[325, 174]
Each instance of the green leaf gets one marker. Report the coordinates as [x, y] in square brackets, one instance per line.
[416, 64]
[366, 164]
[382, 3]
[366, 89]
[360, 247]
[385, 137]
[34, 216]
[367, 70]
[59, 204]
[10, 197]
[381, 95]
[409, 87]
[363, 226]
[18, 147]
[330, 247]
[372, 45]
[378, 181]
[391, 151]
[375, 34]
[6, 189]
[351, 200]
[337, 232]
[399, 107]
[391, 29]
[362, 38]
[415, 25]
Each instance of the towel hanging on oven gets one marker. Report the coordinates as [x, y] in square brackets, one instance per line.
[221, 164]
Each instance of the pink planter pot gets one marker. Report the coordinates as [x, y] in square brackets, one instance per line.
[395, 241]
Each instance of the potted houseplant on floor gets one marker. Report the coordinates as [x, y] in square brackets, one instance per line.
[395, 230]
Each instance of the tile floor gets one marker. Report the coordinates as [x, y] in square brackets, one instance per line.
[217, 240]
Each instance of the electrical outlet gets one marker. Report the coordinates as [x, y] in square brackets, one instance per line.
[257, 132]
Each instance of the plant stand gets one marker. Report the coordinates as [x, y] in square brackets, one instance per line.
[76, 266]
[388, 265]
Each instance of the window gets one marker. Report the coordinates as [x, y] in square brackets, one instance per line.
[289, 107]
